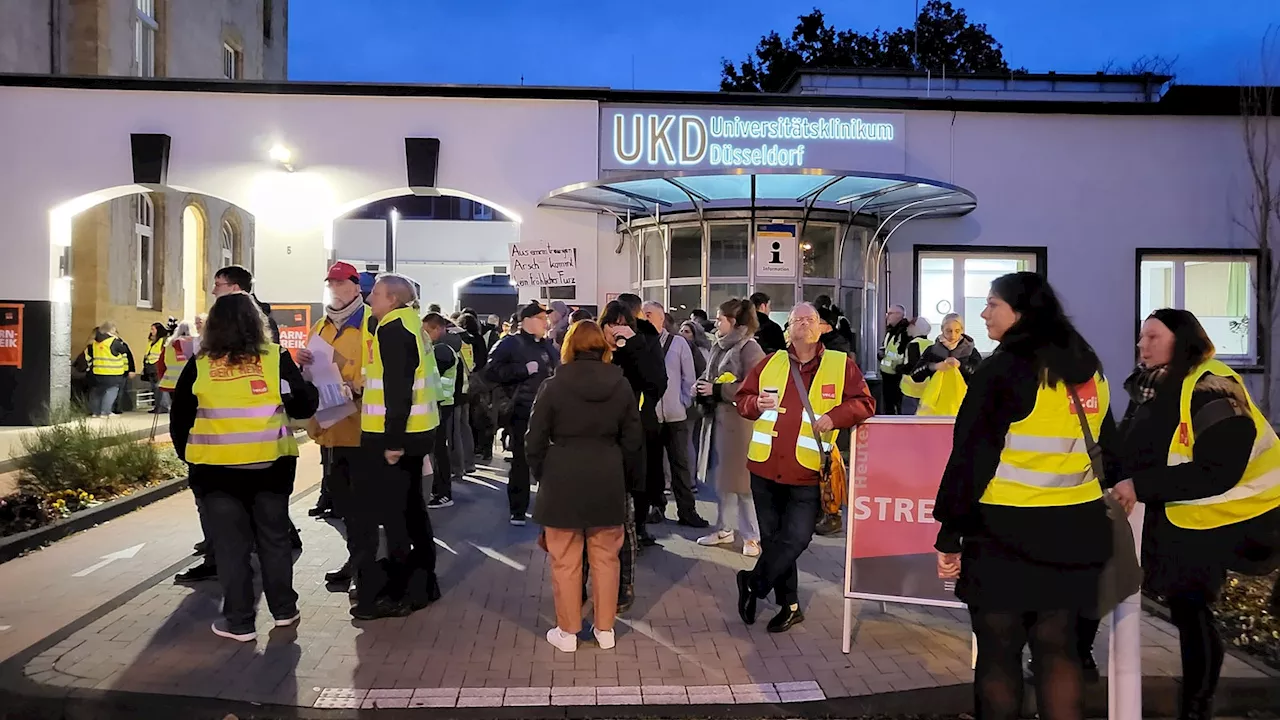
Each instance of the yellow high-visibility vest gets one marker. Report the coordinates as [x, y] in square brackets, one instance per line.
[468, 366]
[1045, 461]
[240, 416]
[153, 352]
[1257, 491]
[423, 413]
[449, 379]
[893, 357]
[106, 362]
[910, 387]
[175, 359]
[824, 394]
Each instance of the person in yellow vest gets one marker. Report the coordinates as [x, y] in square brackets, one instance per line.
[342, 327]
[912, 389]
[229, 422]
[156, 339]
[1206, 464]
[1024, 528]
[799, 399]
[111, 364]
[893, 354]
[399, 416]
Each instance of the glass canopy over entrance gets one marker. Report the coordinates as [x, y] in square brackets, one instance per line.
[695, 235]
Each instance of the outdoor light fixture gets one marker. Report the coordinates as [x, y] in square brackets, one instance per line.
[282, 155]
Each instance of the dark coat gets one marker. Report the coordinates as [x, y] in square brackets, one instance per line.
[835, 340]
[1176, 561]
[584, 445]
[964, 351]
[769, 336]
[644, 365]
[508, 368]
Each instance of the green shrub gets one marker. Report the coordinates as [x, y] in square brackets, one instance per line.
[63, 457]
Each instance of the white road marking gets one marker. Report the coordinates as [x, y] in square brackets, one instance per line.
[499, 557]
[5, 628]
[478, 481]
[445, 545]
[126, 554]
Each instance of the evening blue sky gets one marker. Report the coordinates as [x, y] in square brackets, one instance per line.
[678, 44]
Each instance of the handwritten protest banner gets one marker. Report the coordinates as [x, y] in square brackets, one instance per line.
[540, 265]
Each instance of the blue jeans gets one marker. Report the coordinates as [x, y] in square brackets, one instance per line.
[788, 515]
[102, 398]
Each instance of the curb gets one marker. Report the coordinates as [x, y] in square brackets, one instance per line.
[15, 545]
[1157, 609]
[1236, 697]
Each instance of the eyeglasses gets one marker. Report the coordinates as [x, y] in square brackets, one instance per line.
[804, 320]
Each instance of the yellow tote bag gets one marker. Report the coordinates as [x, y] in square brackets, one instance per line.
[943, 393]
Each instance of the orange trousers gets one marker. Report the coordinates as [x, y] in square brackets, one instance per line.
[565, 549]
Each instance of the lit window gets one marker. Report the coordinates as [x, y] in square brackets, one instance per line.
[957, 281]
[144, 236]
[144, 38]
[480, 211]
[232, 63]
[228, 248]
[1218, 289]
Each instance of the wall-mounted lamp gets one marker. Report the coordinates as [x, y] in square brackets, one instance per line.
[282, 156]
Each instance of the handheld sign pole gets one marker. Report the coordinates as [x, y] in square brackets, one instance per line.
[1124, 672]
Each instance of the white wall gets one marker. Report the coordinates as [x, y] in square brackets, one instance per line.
[348, 151]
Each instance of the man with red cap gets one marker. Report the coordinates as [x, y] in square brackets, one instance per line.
[343, 327]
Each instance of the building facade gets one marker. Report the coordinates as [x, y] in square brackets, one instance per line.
[144, 258]
[1126, 200]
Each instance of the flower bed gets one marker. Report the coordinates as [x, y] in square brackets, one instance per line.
[1247, 620]
[74, 466]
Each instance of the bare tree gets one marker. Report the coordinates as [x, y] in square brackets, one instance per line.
[1144, 65]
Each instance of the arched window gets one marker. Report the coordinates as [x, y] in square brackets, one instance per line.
[228, 244]
[144, 236]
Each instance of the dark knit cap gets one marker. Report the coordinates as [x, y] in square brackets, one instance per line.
[533, 309]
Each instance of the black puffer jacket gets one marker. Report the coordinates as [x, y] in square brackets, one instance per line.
[508, 367]
[964, 352]
[643, 363]
[584, 444]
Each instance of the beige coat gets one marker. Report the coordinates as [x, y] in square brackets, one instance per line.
[725, 456]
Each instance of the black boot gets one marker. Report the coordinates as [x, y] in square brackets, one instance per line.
[340, 576]
[1196, 709]
[829, 525]
[206, 570]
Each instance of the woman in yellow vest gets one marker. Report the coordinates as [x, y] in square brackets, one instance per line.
[1024, 526]
[1206, 464]
[230, 423]
[150, 362]
[111, 364]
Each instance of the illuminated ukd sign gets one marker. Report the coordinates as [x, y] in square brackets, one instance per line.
[654, 139]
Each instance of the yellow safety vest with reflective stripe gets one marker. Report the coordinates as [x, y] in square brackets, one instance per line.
[423, 414]
[893, 358]
[1045, 461]
[1258, 490]
[175, 359]
[240, 416]
[449, 380]
[106, 362]
[153, 353]
[468, 367]
[910, 387]
[825, 393]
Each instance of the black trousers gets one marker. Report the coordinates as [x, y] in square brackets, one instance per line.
[891, 391]
[391, 496]
[651, 495]
[441, 466]
[788, 515]
[341, 468]
[518, 478]
[239, 519]
[673, 437]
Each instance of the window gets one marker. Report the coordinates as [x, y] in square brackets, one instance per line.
[728, 251]
[480, 211]
[144, 236]
[1218, 289]
[683, 299]
[686, 251]
[655, 255]
[268, 14]
[227, 253]
[559, 292]
[232, 62]
[144, 38]
[957, 281]
[720, 292]
[818, 248]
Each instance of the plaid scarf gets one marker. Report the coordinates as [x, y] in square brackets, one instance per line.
[1143, 381]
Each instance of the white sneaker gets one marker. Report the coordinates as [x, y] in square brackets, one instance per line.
[720, 537]
[605, 638]
[751, 548]
[563, 641]
[286, 622]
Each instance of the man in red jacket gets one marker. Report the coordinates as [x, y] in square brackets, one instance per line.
[790, 441]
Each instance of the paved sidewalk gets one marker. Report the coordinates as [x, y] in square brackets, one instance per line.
[482, 645]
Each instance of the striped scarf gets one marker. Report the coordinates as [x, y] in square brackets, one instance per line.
[1143, 382]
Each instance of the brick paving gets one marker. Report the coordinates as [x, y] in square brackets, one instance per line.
[482, 645]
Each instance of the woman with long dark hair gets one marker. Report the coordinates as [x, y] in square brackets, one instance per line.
[155, 349]
[1024, 525]
[1206, 463]
[230, 423]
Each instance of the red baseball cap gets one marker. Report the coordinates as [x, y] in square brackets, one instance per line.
[343, 271]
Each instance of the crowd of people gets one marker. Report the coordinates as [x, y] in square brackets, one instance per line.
[612, 415]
